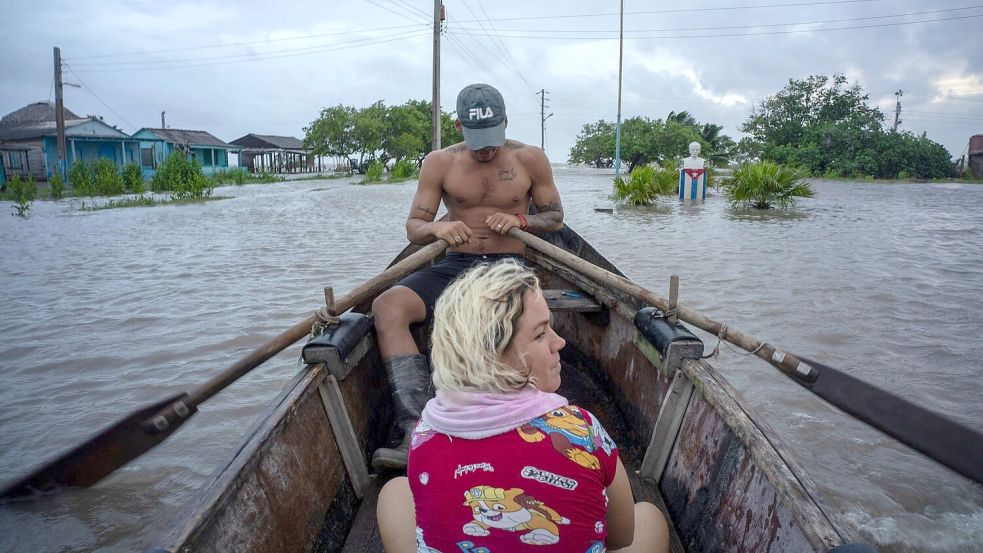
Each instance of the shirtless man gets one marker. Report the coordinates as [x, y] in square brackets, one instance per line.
[486, 183]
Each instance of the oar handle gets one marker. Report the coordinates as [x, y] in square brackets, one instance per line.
[938, 437]
[261, 354]
[785, 361]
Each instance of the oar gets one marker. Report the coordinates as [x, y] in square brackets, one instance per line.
[143, 429]
[948, 442]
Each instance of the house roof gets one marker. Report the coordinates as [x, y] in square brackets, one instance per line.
[37, 112]
[184, 136]
[38, 120]
[269, 141]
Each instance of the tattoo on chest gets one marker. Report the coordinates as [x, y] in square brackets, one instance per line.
[426, 210]
[506, 174]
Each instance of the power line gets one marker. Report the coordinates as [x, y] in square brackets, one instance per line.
[247, 43]
[459, 45]
[250, 58]
[681, 10]
[427, 16]
[722, 35]
[401, 14]
[718, 28]
[94, 95]
[497, 41]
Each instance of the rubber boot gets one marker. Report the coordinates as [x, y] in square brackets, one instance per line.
[410, 379]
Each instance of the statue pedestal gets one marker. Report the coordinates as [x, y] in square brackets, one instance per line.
[693, 179]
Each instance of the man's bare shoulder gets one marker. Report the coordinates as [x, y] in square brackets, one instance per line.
[528, 155]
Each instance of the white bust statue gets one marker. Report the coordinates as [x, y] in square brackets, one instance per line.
[694, 161]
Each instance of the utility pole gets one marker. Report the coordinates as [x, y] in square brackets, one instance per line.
[543, 117]
[438, 17]
[617, 132]
[60, 114]
[162, 124]
[897, 111]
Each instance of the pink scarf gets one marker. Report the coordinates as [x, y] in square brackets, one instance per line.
[473, 415]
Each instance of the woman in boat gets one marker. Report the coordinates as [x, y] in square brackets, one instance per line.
[499, 462]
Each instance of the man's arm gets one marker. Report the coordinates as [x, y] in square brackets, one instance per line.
[544, 194]
[420, 225]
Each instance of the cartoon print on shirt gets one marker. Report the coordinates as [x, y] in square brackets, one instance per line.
[421, 546]
[601, 437]
[512, 510]
[569, 433]
[595, 547]
[468, 547]
[421, 434]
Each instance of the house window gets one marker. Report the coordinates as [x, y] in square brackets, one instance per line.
[147, 157]
[14, 159]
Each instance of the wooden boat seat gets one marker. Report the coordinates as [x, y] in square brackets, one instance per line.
[570, 300]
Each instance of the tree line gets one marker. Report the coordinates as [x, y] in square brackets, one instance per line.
[378, 132]
[822, 125]
[645, 141]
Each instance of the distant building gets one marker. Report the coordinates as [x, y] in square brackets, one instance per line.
[211, 153]
[265, 153]
[29, 141]
[976, 156]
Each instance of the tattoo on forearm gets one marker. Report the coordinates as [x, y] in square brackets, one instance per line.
[545, 221]
[549, 206]
[506, 174]
[426, 210]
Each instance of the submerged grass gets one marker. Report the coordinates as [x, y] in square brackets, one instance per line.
[145, 201]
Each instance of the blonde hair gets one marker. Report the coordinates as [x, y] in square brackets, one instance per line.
[474, 321]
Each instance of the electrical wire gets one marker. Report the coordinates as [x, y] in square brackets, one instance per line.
[413, 8]
[247, 43]
[390, 10]
[499, 44]
[729, 35]
[96, 96]
[463, 50]
[682, 10]
[252, 58]
[719, 28]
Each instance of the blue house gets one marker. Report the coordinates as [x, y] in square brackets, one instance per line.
[29, 142]
[211, 153]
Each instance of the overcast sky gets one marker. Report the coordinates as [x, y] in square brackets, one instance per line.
[233, 68]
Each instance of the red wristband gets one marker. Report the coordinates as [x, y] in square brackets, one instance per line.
[522, 221]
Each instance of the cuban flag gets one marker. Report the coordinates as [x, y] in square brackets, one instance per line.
[692, 184]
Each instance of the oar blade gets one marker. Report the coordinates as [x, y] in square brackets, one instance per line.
[948, 442]
[102, 454]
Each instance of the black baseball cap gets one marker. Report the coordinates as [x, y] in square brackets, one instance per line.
[481, 110]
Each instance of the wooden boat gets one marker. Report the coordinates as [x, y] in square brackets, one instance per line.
[299, 480]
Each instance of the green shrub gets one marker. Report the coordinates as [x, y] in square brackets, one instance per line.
[133, 178]
[762, 185]
[403, 170]
[57, 185]
[23, 192]
[373, 173]
[182, 177]
[234, 175]
[82, 179]
[645, 184]
[108, 180]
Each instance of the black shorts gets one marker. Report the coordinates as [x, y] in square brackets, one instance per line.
[430, 282]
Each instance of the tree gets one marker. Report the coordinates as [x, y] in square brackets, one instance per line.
[331, 134]
[594, 145]
[825, 126]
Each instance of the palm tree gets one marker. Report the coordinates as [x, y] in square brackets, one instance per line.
[762, 185]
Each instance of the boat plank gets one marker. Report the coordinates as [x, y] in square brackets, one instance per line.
[364, 535]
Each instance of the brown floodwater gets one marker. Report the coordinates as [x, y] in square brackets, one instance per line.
[104, 312]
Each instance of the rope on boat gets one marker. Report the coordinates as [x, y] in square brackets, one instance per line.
[720, 340]
[324, 320]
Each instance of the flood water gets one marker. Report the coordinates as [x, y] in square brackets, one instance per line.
[104, 312]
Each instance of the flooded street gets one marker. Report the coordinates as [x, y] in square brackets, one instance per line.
[107, 311]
